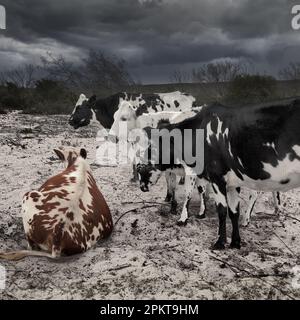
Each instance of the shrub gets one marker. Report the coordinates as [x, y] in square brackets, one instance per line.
[251, 89]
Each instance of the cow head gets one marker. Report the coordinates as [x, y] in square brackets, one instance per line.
[126, 116]
[148, 175]
[69, 155]
[83, 113]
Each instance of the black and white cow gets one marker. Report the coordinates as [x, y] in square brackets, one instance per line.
[257, 147]
[136, 126]
[160, 120]
[102, 111]
[105, 112]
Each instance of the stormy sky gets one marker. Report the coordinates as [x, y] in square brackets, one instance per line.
[155, 37]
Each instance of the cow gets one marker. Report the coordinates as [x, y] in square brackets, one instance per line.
[160, 120]
[67, 215]
[251, 146]
[139, 141]
[104, 111]
[145, 118]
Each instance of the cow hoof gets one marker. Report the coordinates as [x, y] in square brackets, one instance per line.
[133, 180]
[219, 245]
[173, 211]
[182, 223]
[201, 216]
[244, 224]
[277, 211]
[235, 244]
[168, 198]
[181, 181]
[174, 207]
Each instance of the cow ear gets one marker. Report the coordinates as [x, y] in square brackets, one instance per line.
[59, 154]
[83, 153]
[93, 99]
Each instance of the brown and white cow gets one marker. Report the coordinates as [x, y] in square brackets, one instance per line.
[68, 214]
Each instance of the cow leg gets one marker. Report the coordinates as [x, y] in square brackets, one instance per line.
[31, 245]
[182, 180]
[173, 193]
[233, 201]
[57, 240]
[221, 204]
[277, 202]
[169, 191]
[247, 215]
[278, 206]
[135, 176]
[202, 209]
[189, 188]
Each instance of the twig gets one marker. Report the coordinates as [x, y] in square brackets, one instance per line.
[132, 210]
[15, 143]
[117, 268]
[293, 253]
[145, 202]
[258, 276]
[293, 218]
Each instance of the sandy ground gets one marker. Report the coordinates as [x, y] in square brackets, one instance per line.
[148, 256]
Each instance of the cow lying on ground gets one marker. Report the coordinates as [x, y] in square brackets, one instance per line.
[257, 147]
[67, 214]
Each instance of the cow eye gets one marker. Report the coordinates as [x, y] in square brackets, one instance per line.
[123, 119]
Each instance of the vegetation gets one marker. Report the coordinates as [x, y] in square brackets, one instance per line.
[54, 86]
[251, 89]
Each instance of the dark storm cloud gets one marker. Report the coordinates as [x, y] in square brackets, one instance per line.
[162, 34]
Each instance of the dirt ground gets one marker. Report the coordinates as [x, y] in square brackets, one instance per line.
[148, 256]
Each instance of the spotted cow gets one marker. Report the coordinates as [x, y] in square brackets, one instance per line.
[106, 112]
[139, 138]
[257, 147]
[68, 214]
[102, 111]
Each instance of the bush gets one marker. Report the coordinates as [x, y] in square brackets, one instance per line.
[251, 89]
[48, 97]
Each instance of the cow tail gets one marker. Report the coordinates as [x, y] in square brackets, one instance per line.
[21, 254]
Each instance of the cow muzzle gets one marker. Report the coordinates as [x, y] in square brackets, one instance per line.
[73, 124]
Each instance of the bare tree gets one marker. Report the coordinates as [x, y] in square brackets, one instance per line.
[23, 77]
[290, 72]
[179, 76]
[96, 72]
[224, 71]
[215, 77]
[109, 73]
[58, 69]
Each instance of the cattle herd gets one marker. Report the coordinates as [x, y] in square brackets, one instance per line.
[253, 146]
